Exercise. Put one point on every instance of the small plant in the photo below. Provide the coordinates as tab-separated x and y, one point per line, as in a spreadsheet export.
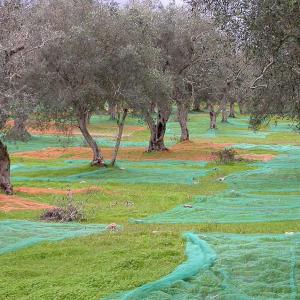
225	156
67	210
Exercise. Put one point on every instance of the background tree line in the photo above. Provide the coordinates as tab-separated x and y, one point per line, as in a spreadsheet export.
62	61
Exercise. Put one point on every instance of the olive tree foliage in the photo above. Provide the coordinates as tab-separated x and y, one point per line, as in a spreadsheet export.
133	79
150	84
217	73
69	71
14	100
185	40
15	44
269	33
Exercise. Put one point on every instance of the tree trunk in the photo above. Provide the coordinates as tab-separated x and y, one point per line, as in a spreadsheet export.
213	119
88	118
3	115
196	104
19	132
182	115
224	112
120	122
152	107
209	106
231	111
241	108
112	110
5	184
97	154
157	130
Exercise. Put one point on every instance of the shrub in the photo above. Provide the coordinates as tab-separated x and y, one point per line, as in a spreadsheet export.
225	156
67	210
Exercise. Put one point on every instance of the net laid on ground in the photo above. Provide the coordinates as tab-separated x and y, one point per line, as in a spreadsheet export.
181	172
231	267
234	128
15	235
271	192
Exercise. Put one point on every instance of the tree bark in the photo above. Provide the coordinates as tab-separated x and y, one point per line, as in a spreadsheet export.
5	184
213	119
89	116
224	112
19	132
231	111
97	154
157	130
182	114
241	108
3	114
196	104
112	110
121	122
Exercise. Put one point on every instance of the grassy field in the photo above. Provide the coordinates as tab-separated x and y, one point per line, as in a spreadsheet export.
96	266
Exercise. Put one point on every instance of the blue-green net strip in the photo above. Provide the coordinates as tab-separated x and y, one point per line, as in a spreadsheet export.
200	256
230	267
15	235
269	192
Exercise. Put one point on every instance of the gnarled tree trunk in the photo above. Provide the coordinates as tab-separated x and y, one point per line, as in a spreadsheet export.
182	114
213	119
157	130
19	132
121	122
5	184
224	106
97	154
231	110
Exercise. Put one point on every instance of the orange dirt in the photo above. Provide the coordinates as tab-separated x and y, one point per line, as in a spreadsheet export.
12	203
183	151
51	129
261	157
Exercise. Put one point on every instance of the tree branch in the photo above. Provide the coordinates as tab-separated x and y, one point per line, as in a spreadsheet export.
253	86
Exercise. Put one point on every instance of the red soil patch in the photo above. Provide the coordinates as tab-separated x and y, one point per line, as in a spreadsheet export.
48	129
261	157
184	151
55	153
51	129
12	203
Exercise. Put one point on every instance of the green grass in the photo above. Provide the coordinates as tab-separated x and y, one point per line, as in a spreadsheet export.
95	266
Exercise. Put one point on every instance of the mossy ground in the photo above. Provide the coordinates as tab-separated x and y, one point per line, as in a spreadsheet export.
95	266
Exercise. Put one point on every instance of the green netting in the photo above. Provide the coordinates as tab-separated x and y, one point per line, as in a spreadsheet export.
230	267
184	172
15	235
199	129
235	130
271	192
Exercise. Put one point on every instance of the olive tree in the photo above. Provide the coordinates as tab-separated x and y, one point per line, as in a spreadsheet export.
268	31
185	40
69	71
14	100
151	93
